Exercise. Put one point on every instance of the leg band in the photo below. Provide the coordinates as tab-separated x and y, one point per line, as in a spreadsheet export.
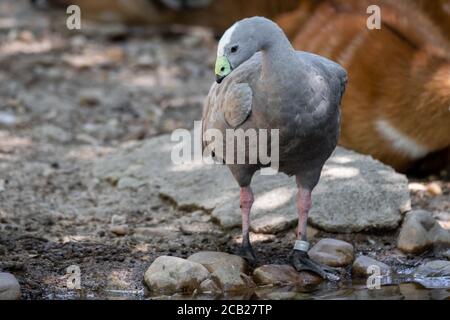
301	245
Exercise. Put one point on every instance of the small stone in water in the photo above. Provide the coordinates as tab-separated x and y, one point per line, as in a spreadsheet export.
283	275
436	268
362	264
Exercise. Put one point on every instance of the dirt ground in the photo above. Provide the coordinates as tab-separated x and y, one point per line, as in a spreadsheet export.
68	98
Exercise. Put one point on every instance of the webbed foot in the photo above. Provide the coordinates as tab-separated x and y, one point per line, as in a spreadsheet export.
302	262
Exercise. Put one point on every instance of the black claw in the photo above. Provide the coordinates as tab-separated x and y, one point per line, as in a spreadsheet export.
302	262
246	252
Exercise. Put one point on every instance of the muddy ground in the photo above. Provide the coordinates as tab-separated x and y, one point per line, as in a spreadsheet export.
68	98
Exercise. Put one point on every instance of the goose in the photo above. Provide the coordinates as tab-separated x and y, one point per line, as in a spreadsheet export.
262	83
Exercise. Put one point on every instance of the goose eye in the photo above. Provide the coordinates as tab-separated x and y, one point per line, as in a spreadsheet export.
234	49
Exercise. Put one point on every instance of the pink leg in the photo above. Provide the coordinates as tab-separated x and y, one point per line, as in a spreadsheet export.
300	258
246	206
303	206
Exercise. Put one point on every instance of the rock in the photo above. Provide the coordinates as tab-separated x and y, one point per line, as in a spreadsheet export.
416	187
231	280
90	97
437	268
273	274
171	274
362	264
7	119
209	286
420	231
434	189
439	236
227	270
9	287
213	261
355	192
120	230
447	254
332	252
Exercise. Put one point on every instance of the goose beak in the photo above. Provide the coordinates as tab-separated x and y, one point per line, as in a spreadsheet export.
223	68
219	79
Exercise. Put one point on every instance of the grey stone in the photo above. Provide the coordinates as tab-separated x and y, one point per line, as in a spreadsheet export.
209	286
227	270
284	275
436	268
9	287
213	261
420	231
362	264
171	274
332	252
355	193
447	254
230	280
120	230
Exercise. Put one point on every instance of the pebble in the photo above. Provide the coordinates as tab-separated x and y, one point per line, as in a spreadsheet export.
171	274
362	264
7	119
332	252
447	254
274	274
434	189
436	268
420	231
120	230
227	270
9	287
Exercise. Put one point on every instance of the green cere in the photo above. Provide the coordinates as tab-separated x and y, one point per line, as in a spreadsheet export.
223	67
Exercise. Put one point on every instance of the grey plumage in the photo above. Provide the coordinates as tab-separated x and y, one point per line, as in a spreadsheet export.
300	96
263	83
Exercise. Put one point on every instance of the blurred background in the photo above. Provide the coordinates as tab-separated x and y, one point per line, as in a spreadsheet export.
141	68
397	103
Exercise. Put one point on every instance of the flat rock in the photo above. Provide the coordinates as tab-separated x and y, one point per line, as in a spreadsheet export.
332	252
363	263
227	270
171	274
433	269
213	260
273	274
9	287
355	192
420	231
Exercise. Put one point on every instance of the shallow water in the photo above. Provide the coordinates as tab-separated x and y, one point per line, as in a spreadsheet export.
400	287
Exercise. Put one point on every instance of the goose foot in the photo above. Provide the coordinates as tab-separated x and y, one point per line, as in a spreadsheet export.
302	262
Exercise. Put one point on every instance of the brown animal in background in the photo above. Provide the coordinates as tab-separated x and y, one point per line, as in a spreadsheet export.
397	104
217	14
